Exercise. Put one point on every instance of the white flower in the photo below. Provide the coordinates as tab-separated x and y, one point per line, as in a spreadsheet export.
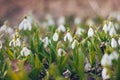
113	43
114	55
67	74
79	31
15	42
55	36
90	22
119	41
6	28
112	31
74	44
116	25
61	20
105	74
25	51
77	21
25	24
50	20
61	28
105	28
90	32
0	44
68	37
61	52
46	41
106	61
87	67
110	25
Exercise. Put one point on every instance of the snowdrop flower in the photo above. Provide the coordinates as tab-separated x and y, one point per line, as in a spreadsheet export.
30	18
106	61
90	32
110	25
105	28
50	20
113	43
114	55
55	36
79	31
67	74
61	28
87	67
0	44
25	24
112	31
46	41
25	51
105	74
61	20
68	36
77	21
116	25
15	42
119	41
61	52
74	44
90	22
6	28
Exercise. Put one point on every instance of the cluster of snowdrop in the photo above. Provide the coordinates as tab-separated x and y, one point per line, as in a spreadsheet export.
110	28
65	39
109	56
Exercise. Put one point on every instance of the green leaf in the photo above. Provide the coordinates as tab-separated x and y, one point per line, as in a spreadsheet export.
10	53
38	63
81	64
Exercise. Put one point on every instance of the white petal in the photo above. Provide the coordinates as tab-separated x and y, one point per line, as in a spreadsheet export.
25	51
21	25
105	28
90	32
11	43
65	38
112	31
55	37
105	74
18	43
113	43
110	25
69	37
61	28
74	44
119	41
61	52
79	31
114	55
106	61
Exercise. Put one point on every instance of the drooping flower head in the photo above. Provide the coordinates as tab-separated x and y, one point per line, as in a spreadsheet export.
25	51
61	28
90	32
16	40
55	36
68	36
25	24
74	43
113	43
5	28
